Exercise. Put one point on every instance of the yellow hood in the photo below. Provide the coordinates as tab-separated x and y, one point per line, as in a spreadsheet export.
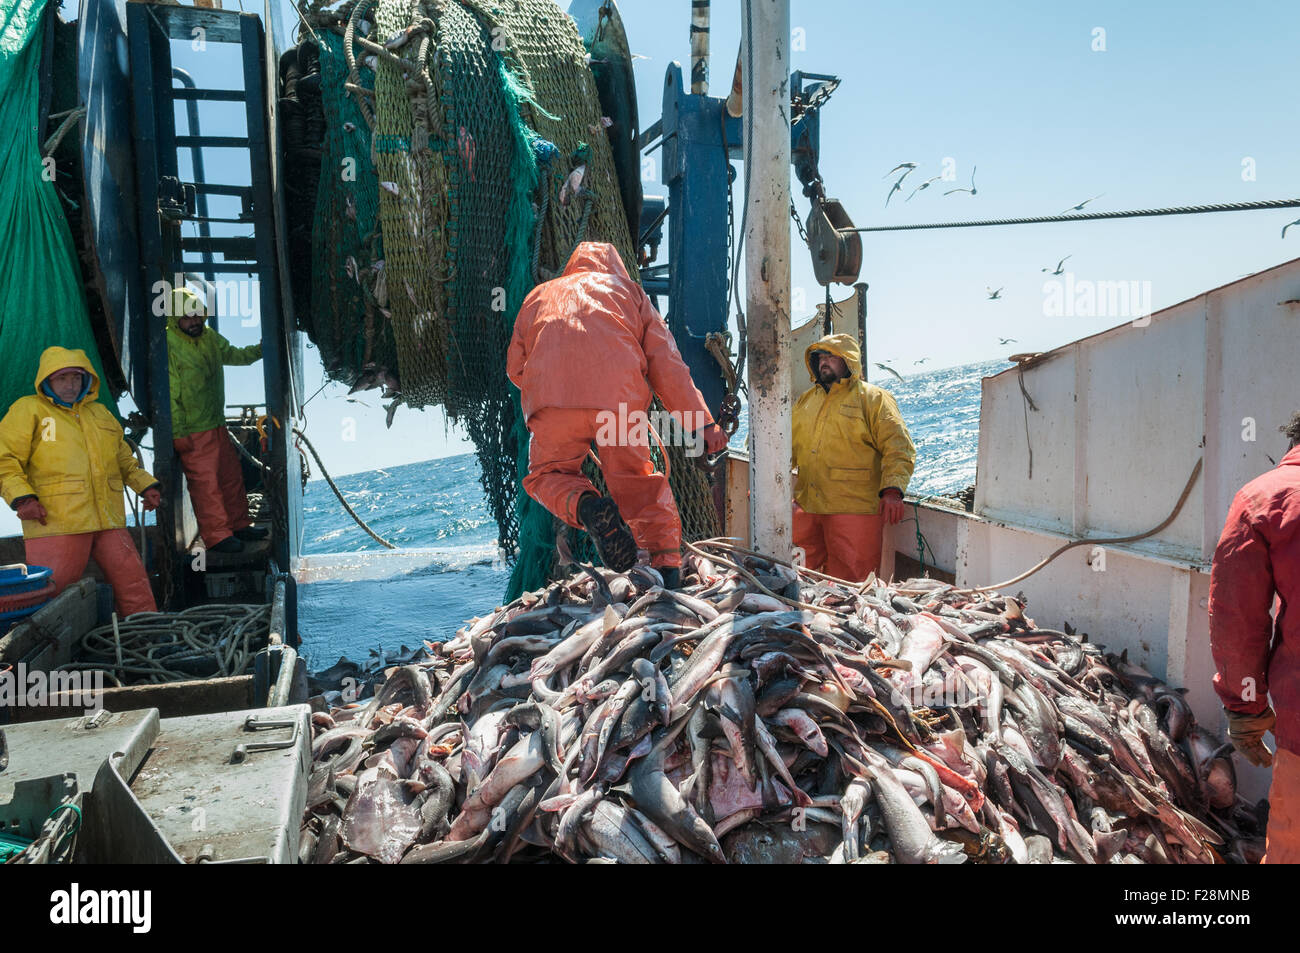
57	358
841	345
183	301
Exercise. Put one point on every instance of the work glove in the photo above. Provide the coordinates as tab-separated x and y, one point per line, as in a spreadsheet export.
891	506
1246	732
715	439
31	509
151	498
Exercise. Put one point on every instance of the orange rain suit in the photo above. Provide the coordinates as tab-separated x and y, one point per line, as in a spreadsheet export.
216	482
588	351
1256	652
74	461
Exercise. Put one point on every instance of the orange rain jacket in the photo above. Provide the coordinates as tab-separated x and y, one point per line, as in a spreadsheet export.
848	443
73	459
591	339
1258	556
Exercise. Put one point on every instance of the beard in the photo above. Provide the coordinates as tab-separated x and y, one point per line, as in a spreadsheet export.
194	333
827	375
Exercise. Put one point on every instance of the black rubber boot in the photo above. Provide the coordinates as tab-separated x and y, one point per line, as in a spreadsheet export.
672	576
611	536
228	545
250	534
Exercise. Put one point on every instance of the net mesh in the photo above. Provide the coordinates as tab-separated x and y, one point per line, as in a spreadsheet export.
464	120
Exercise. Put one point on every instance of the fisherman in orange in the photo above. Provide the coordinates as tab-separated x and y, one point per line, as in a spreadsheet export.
63	466
853	457
1257	654
589	348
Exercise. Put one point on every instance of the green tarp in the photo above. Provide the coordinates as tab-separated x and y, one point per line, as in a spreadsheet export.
42	302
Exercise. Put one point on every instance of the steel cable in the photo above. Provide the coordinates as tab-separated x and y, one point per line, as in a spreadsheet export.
1095	216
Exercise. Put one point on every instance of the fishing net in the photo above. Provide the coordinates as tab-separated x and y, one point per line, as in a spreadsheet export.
42	303
464	120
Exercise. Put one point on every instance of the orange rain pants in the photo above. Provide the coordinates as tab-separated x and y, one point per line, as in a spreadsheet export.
112	551
845	545
561	440
216	483
1282	841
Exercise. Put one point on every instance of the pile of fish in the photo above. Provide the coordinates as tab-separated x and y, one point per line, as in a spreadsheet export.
766	714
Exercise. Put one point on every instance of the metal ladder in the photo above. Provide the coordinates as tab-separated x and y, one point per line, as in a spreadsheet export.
165	202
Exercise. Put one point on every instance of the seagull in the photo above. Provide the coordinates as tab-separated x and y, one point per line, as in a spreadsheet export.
1079	207
909	166
886	367
924	185
1059	269
993	295
971	190
921	361
898	187
1285	227
1005	341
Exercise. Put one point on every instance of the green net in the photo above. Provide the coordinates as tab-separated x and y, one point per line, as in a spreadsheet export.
350	325
42	303
476	114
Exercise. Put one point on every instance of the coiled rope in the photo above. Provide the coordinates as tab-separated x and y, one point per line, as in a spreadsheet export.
156	647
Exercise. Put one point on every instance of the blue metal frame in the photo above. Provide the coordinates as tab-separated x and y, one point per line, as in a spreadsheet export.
695	169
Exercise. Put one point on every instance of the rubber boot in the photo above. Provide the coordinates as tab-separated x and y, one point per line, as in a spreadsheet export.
611	536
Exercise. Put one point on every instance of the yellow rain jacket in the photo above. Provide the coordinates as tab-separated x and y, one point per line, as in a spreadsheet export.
194	367
73	459
849	443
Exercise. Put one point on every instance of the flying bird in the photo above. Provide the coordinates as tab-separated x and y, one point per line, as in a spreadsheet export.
993	295
909	166
971	190
1006	341
898	187
1059	269
921	361
1079	207
1285	227
924	185
886	367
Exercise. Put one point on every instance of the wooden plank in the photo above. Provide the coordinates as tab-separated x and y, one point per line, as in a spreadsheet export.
173	699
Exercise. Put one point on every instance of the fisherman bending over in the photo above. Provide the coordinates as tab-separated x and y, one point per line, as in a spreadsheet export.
853	457
586	346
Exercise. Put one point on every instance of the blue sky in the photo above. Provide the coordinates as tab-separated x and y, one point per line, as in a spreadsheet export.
1165	115
1182	95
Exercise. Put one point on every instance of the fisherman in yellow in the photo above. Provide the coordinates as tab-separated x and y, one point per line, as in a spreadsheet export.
63	465
853	457
195	358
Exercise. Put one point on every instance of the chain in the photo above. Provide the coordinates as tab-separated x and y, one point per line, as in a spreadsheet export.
794	214
815	101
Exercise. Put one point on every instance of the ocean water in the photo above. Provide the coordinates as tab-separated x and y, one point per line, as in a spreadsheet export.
436	510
